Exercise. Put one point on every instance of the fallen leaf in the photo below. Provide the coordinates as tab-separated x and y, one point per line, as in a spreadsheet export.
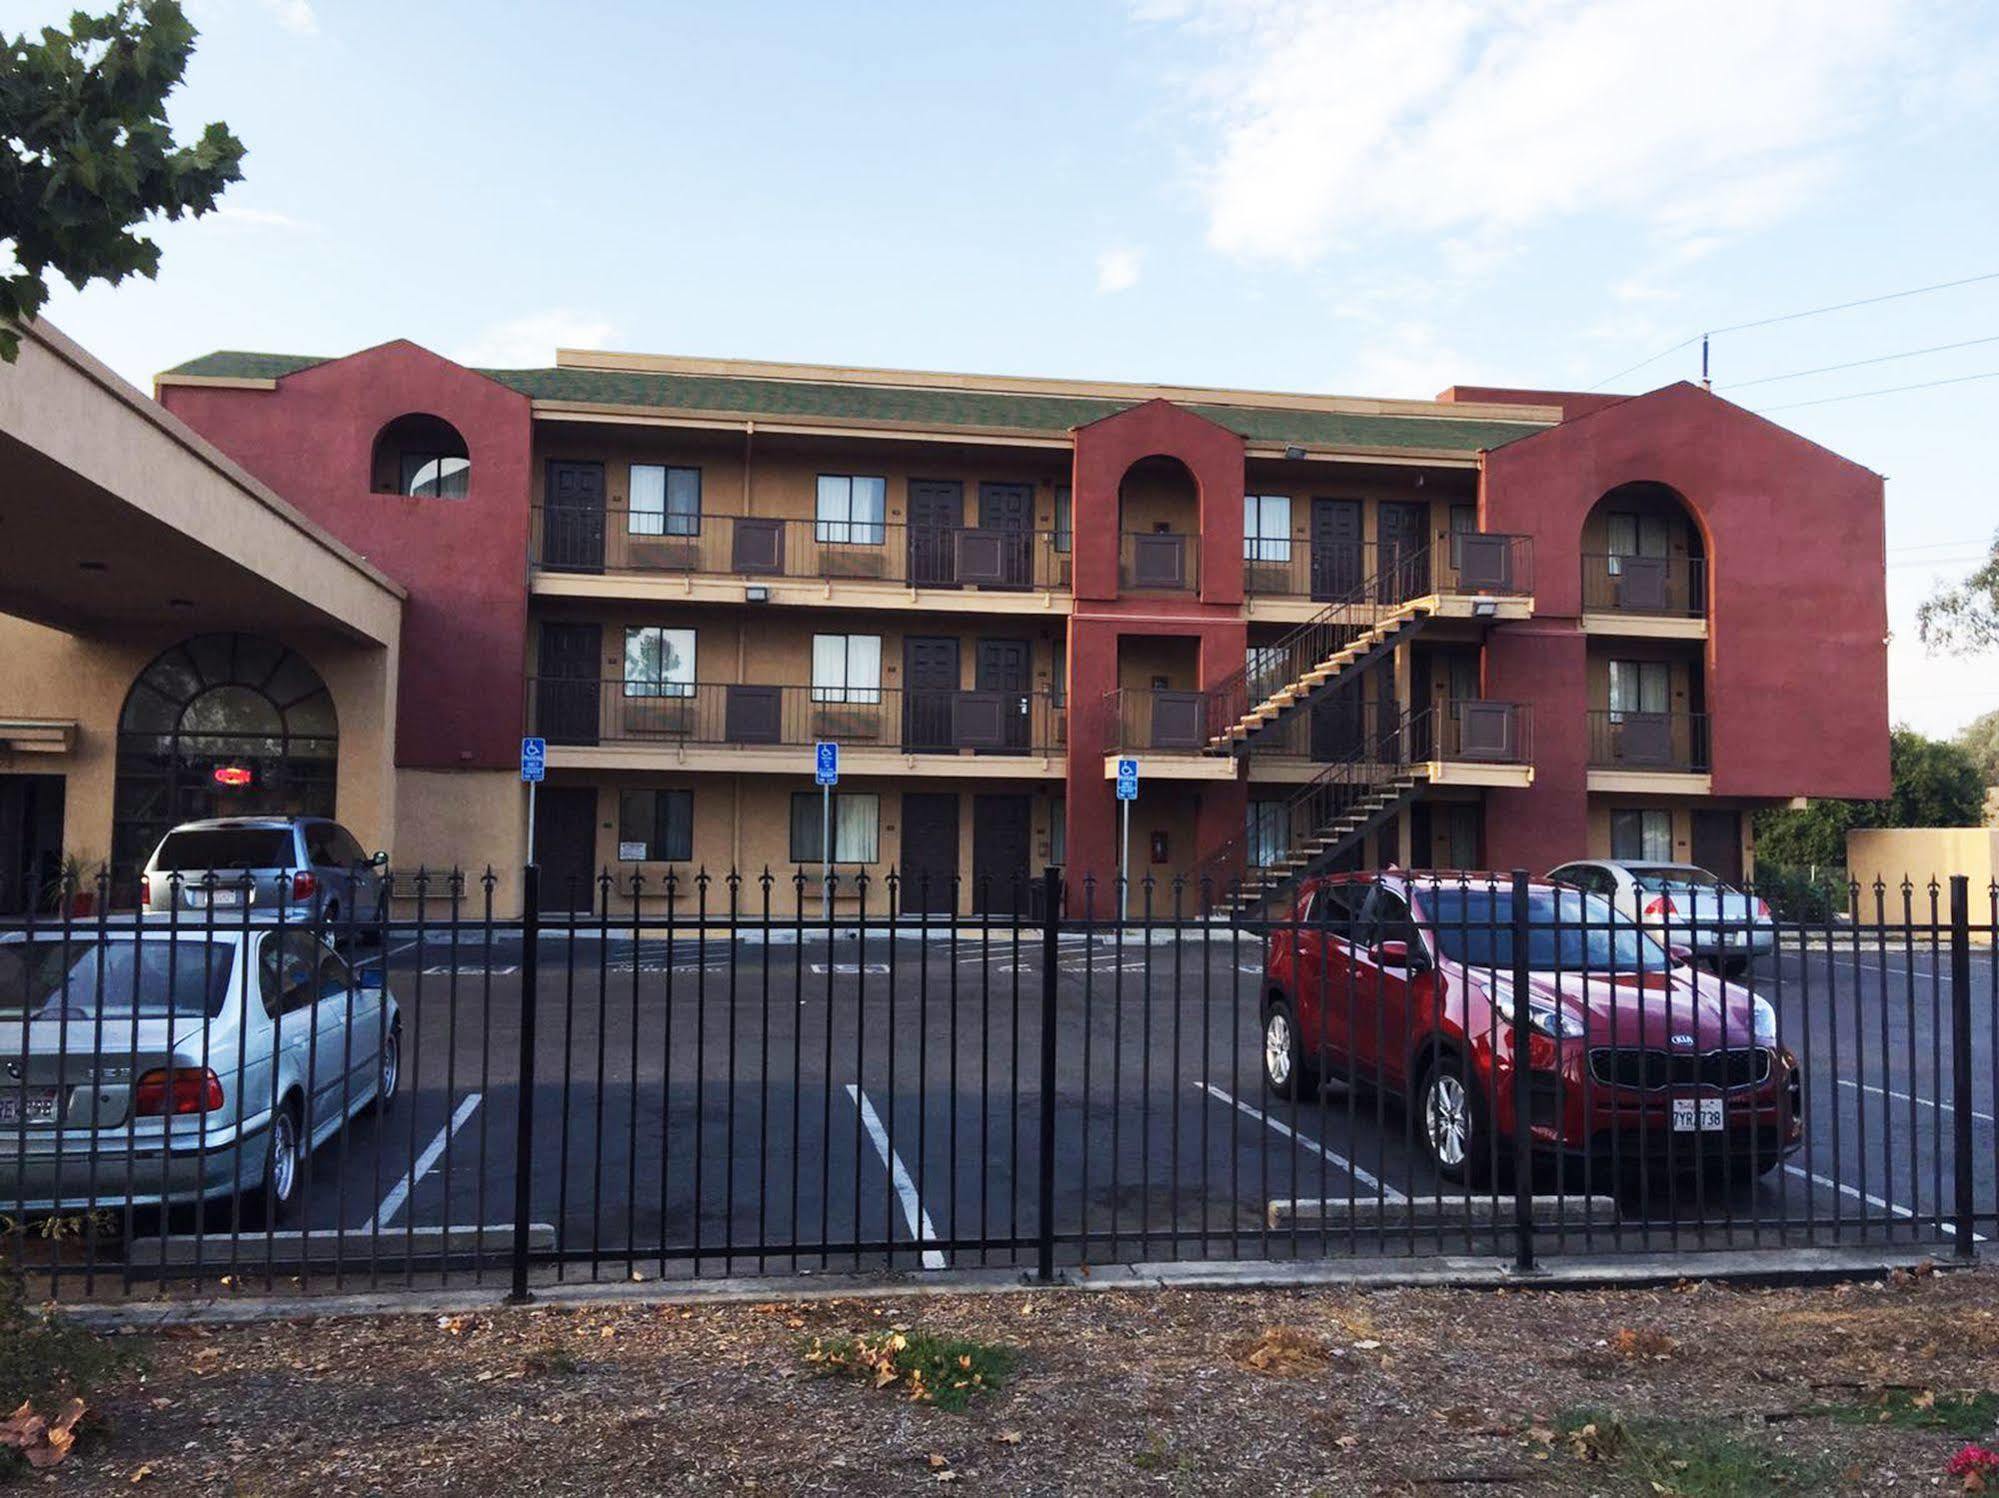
938	1459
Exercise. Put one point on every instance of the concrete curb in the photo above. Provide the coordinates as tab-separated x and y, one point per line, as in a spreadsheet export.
1572	1272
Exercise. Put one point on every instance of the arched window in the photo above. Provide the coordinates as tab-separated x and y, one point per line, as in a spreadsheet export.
1643	552
421	456
220	725
1159	518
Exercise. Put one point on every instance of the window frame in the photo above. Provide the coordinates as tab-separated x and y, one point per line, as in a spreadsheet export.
660	842
845	690
410	466
665	686
1064	540
1644	670
1260	543
806	813
1643	814
673	523
849	529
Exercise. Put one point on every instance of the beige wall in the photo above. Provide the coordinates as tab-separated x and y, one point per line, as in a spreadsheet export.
1920	854
462	819
1142	657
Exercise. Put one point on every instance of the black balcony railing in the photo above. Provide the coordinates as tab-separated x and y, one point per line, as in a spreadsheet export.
1140	718
1670	587
1471	730
1621	740
1334	571
1159	562
584	539
757	715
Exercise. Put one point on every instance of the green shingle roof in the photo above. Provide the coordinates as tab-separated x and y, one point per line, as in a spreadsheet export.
929	407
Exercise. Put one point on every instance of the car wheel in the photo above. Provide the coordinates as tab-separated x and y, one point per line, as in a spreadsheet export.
389	1073
1286	1072
1450	1120
284	1164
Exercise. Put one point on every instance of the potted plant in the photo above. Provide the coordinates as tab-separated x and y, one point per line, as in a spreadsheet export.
73	891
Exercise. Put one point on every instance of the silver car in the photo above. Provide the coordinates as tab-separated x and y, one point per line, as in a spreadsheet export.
311	868
144	1063
1681	904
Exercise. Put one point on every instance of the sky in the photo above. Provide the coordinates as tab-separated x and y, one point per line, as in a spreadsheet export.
1362	197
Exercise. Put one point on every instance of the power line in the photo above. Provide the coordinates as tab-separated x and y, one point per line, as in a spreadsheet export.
1826	400
1799	374
1764	322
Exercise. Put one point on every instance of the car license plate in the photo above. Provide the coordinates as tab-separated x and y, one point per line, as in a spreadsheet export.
224	896
37	1106
1708	1114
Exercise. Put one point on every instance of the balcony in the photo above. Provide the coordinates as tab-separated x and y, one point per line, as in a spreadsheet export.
1473	564
753	726
1631	751
1645	595
1168	727
1158	562
1472	741
569	544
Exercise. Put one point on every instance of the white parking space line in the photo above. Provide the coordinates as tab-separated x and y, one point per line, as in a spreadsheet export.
1903	1097
1372	1182
1869	1198
913	1212
400	1192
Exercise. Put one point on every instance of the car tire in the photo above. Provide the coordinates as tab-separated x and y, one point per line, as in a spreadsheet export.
284	1165
1287	1072
1451	1123
389	1072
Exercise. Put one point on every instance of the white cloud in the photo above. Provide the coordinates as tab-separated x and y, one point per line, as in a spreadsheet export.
296	16
1408	362
530	341
1117	269
1338	121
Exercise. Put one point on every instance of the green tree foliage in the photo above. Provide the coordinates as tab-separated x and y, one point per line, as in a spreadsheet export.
1980	739
1935	784
89	156
1964	618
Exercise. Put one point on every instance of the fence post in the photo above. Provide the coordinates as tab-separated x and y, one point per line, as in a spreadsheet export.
1961	1101
1523	1140
524	1108
1051	924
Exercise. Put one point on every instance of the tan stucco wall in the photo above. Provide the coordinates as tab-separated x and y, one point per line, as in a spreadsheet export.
465	820
1919	855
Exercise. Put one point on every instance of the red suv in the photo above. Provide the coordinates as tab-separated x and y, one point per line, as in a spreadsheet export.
1404	981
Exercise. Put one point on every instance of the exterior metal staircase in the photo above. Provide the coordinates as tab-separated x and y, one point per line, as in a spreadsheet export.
1343	639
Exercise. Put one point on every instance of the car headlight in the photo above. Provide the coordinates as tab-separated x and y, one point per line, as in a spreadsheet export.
1553	1021
1765	1021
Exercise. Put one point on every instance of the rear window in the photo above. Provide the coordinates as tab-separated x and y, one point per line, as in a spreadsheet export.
79	979
199	849
1655	880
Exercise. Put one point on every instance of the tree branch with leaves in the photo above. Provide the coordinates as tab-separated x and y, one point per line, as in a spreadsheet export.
1964	619
89	156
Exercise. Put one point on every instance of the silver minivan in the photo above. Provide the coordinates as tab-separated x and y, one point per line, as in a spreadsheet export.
145	1063
310	867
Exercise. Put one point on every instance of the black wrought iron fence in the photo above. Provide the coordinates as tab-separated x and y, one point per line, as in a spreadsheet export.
710	1077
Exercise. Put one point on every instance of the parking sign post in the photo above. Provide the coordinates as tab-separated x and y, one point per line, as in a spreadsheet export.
534	765
826	770
1127	792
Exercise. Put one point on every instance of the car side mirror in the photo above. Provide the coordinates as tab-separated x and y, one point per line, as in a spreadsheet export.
1681	956
380	860
371	979
1395	954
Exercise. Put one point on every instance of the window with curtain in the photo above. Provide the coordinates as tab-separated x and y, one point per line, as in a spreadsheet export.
1463	522
1640	687
1266	527
664	501
1633	535
1064	520
1058	831
659	662
1641	836
846	668
1268	828
851	509
856	828
655	826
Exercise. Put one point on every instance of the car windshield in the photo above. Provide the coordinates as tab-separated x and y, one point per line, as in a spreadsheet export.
1567	931
83	978
1657	880
197	849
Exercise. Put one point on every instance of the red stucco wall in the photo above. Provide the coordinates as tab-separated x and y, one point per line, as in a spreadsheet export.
1213	454
1797	663
464	561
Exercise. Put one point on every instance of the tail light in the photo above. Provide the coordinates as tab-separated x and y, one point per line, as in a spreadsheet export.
145	889
304	885
1762	910
181	1089
1659	906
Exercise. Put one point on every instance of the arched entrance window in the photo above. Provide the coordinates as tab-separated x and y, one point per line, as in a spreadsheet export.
1643	553
220	725
1159	518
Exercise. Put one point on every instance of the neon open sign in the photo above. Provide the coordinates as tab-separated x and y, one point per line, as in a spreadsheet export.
233	775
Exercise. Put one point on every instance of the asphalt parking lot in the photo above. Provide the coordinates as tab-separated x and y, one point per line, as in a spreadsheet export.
714	1107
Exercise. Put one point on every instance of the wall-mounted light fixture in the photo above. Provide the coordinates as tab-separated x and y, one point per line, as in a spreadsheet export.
1294	453
1485	608
756	594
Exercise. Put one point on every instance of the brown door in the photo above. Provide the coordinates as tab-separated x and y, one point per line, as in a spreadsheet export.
565	845
1336	548
1718	844
936	514
1405	563
929	853
1001	827
1007	510
31	808
929	691
1338	721
1005	671
567	689
572	517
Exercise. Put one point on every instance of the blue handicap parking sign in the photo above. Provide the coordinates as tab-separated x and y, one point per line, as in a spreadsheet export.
1127	780
534	759
826	763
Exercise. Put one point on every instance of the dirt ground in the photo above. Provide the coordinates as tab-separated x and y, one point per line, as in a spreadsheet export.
1862	1388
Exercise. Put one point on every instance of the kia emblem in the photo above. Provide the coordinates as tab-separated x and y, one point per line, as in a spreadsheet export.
1681	1038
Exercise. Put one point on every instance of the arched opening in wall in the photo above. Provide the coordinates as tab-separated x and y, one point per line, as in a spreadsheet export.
1159	525
220	725
1643	553
420	456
